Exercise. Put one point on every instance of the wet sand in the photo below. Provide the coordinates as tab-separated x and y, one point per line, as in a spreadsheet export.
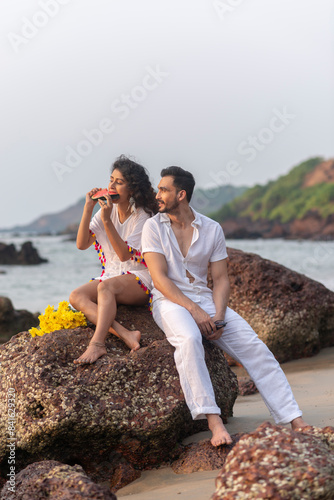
312	383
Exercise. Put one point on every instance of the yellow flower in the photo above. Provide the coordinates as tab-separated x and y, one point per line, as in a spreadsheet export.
63	318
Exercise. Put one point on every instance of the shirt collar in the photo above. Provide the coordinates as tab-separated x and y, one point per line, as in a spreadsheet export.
164	218
198	219
196	222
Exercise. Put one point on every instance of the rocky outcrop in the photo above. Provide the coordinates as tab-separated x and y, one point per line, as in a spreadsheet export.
51	479
125	408
292	314
310	227
275	462
27	255
13	321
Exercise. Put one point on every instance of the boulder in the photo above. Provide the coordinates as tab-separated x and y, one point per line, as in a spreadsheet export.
27	255
203	456
125	408
13	321
292	314
51	479
275	462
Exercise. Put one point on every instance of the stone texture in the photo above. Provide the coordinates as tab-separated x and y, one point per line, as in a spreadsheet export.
13	321
292	314
278	463
246	386
51	479
122	475
202	456
124	408
27	255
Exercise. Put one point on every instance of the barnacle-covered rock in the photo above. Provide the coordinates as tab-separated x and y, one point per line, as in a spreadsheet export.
292	314
51	479
125	407
278	463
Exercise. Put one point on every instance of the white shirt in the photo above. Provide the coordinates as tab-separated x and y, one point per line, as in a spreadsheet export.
130	231
207	245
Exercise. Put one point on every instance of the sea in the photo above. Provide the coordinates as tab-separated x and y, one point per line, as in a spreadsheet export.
35	287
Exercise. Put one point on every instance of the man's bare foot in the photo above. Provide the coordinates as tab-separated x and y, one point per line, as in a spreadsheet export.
219	433
130	337
93	352
298	423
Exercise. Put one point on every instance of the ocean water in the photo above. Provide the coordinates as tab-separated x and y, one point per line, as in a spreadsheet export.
35	287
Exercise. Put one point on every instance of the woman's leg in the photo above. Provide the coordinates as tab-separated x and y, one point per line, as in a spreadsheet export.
84	299
118	290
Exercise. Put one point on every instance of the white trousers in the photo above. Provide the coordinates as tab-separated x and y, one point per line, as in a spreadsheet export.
239	341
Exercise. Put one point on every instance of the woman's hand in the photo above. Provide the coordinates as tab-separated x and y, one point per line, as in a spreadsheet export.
106	209
89	201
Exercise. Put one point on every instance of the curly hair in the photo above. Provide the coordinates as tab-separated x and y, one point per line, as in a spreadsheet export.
138	182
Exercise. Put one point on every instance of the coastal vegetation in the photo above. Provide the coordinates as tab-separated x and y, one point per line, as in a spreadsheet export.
308	187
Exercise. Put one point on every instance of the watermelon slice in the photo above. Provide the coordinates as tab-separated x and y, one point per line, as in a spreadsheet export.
100	195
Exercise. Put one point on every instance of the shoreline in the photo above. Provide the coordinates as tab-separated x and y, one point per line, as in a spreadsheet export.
311	382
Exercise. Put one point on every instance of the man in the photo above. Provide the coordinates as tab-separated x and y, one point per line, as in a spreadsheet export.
178	243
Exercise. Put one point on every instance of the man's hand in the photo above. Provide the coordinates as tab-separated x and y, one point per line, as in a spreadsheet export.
215	334
203	320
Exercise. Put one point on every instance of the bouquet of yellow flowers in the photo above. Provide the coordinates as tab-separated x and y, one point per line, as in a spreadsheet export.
63	317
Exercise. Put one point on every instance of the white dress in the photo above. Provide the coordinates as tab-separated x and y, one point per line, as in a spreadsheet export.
130	231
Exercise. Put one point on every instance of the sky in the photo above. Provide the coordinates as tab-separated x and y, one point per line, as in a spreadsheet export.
236	91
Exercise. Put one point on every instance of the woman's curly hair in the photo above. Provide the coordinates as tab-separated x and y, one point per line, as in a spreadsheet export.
138	182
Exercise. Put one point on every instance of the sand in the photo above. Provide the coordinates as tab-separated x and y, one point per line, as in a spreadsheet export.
311	380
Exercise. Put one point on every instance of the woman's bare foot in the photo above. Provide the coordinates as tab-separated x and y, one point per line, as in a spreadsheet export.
93	352
130	337
219	433
298	423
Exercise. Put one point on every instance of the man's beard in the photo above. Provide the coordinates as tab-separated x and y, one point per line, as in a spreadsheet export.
163	209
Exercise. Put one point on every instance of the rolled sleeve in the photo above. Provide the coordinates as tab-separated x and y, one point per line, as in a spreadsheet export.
96	223
150	240
134	239
219	251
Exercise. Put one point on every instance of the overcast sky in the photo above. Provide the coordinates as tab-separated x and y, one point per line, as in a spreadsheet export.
235	91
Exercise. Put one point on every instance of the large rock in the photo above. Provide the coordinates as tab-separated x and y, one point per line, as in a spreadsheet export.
13	321
277	463
27	255
125	407
292	314
50	479
202	456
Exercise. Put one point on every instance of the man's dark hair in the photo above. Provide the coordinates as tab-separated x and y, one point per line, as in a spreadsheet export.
183	180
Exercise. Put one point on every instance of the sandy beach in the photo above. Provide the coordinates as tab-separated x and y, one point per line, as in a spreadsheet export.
311	380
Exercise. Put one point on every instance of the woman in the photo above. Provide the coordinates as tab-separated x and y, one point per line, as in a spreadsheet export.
116	231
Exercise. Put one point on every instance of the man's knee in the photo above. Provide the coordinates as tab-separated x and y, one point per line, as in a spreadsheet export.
191	342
